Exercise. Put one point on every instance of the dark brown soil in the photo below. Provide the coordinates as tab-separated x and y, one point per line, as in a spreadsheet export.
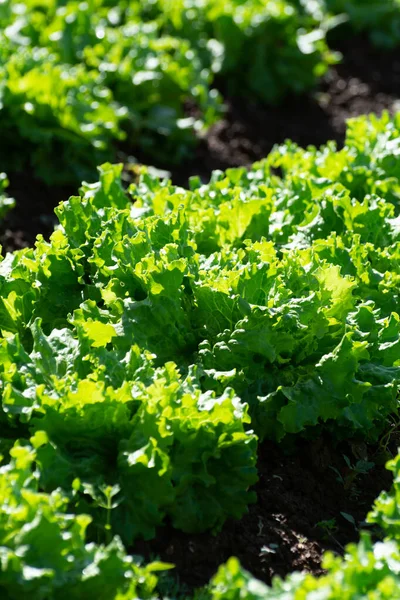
304	507
284	531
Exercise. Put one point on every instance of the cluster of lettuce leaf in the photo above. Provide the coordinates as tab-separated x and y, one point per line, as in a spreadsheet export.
93	356
263	49
291	297
44	552
77	77
161	332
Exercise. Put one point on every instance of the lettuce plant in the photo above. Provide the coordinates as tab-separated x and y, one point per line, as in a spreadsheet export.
77	78
44	553
262	49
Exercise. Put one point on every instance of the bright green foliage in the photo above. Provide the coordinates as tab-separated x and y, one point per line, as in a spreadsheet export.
43	550
294	300
111	419
75	77
144	346
80	315
368	164
265	49
386	510
284	289
57	111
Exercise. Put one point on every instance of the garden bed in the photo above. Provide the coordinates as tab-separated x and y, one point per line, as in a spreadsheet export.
309	500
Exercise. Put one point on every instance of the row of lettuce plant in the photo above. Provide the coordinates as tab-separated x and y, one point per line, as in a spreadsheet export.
161	332
45	554
269	49
78	79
